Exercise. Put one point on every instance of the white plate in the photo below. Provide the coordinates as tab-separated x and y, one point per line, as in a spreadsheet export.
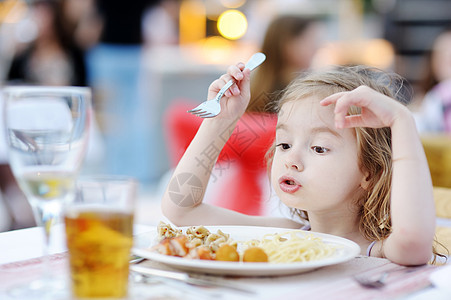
345	251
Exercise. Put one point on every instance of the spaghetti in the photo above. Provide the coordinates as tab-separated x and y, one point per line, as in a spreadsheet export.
290	247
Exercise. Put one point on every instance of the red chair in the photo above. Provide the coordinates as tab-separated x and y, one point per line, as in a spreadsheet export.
244	151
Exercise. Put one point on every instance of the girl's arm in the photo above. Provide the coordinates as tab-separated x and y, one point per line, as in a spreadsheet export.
182	201
412	204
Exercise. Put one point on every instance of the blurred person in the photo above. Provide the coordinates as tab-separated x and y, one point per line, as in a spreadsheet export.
434	115
290	44
83	21
52	58
115	71
160	24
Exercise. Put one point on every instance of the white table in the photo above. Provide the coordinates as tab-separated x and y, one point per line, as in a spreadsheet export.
23	244
334	282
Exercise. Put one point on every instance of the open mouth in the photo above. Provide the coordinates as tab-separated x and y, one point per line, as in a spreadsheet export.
288	180
288	184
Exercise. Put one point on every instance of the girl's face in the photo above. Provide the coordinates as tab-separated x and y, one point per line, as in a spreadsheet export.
315	166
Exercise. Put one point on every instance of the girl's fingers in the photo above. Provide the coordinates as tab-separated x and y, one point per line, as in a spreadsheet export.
377	110
353	121
232	91
331	99
225	78
244	83
340	111
221	82
236	72
342	103
216	85
358	97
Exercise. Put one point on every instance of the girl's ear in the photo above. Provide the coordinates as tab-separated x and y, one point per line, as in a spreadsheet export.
365	181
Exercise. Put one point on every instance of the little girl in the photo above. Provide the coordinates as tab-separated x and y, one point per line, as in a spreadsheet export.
346	158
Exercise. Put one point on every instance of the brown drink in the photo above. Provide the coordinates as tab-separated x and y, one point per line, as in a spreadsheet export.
99	243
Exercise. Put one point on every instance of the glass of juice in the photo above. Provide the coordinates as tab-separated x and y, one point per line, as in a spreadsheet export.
99	236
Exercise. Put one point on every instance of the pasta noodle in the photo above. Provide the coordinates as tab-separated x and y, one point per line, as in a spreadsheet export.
289	247
196	236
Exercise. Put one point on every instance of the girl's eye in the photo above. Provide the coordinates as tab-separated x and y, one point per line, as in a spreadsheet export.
283	146
319	149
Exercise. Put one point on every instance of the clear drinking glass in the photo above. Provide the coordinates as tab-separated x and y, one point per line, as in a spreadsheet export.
99	232
47	134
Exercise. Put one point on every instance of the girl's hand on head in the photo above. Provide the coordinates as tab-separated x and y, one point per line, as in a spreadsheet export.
236	98
377	110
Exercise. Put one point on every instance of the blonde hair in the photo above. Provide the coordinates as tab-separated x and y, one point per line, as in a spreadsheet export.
374	144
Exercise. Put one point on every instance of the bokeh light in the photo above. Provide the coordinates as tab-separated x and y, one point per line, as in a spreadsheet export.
216	49
379	53
232	24
192	26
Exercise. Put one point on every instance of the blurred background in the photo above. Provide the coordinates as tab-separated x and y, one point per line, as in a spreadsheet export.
142	58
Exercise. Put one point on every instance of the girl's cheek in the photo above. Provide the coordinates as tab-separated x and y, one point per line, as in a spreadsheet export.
273	175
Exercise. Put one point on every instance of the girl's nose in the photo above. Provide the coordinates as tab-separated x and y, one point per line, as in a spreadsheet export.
295	163
296	166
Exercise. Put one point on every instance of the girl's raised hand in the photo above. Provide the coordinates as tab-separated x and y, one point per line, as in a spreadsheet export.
377	110
236	98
